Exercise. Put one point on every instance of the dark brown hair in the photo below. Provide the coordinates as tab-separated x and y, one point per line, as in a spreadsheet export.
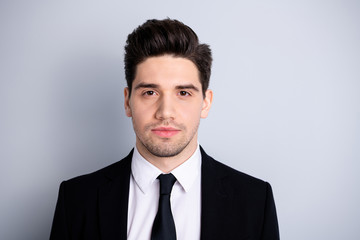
168	36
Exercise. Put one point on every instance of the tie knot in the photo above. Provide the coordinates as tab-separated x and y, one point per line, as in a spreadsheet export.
166	183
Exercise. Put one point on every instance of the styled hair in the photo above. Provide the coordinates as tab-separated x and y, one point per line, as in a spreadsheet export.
161	37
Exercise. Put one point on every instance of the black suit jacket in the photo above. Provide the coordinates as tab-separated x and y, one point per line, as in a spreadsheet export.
234	205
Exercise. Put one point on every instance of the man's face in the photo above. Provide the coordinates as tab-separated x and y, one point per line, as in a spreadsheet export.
166	105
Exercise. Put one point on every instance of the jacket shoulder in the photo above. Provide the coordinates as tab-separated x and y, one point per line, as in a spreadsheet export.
93	180
233	176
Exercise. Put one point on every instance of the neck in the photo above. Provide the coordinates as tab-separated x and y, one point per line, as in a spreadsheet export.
167	164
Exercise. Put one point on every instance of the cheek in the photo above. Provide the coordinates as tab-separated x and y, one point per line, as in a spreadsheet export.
142	114
191	113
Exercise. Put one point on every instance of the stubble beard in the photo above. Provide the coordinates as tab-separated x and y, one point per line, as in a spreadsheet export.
166	148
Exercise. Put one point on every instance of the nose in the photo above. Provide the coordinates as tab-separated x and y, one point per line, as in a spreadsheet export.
166	108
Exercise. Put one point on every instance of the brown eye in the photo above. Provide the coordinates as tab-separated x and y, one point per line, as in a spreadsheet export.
149	93
184	93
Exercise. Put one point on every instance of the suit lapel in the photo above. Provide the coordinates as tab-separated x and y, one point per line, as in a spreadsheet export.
218	203
211	195
113	201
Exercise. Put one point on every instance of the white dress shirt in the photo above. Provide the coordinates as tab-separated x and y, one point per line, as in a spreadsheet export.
144	198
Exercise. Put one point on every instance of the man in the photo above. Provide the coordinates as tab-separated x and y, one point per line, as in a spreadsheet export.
167	187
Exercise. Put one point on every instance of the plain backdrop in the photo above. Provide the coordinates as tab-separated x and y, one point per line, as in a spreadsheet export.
286	78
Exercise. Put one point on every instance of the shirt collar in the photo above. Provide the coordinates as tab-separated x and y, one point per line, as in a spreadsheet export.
145	173
187	172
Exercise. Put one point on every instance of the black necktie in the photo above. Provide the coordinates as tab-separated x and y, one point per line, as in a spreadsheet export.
164	226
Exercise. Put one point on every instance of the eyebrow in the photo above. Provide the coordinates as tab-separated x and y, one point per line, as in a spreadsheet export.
188	86
146	85
152	85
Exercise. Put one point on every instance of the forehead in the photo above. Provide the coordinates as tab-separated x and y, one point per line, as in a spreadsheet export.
167	70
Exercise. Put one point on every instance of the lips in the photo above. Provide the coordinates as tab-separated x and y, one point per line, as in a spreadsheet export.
165	132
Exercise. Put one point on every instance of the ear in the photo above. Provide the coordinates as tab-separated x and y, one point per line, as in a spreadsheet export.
207	103
127	102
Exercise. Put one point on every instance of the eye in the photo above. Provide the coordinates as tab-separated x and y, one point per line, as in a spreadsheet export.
149	93
184	93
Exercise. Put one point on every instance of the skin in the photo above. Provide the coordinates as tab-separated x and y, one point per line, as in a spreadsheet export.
166	105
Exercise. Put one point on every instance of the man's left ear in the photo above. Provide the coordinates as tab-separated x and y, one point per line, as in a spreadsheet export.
207	103
127	102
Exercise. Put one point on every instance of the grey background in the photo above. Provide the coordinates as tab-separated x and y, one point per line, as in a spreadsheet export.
286	107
